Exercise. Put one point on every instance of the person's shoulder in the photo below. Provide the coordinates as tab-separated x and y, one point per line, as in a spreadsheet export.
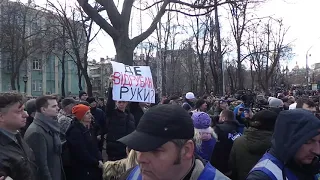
126	174
258	175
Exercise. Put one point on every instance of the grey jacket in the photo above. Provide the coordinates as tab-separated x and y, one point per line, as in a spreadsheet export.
41	139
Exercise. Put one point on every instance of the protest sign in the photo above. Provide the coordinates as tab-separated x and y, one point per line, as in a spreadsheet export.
132	83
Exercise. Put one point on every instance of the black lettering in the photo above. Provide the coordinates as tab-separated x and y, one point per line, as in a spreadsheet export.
133	92
139	93
128	70
146	95
123	90
137	71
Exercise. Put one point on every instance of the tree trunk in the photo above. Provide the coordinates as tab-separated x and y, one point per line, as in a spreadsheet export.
124	48
219	51
202	74
79	78
239	68
88	82
63	76
18	82
13	82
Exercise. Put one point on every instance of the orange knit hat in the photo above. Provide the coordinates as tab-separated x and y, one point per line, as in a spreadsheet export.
80	110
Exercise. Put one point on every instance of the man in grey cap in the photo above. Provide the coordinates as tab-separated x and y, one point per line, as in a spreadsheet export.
65	116
30	107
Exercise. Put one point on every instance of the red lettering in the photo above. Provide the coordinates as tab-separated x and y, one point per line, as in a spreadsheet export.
132	78
142	82
138	80
127	81
116	78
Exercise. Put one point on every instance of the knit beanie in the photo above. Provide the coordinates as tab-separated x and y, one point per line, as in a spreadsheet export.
264	120
80	110
201	120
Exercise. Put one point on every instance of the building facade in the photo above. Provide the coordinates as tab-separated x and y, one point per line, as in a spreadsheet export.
28	61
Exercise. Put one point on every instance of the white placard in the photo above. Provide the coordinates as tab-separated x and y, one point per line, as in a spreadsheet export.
132	83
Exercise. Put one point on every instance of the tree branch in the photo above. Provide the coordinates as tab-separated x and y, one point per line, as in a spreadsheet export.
153	25
90	11
126	13
112	12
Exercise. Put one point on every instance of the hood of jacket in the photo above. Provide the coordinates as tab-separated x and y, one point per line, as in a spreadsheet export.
258	141
293	128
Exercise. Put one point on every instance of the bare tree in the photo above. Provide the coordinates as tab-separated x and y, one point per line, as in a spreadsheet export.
80	33
118	25
266	46
21	38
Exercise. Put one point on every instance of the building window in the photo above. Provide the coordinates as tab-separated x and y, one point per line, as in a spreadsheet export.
36	85
36	64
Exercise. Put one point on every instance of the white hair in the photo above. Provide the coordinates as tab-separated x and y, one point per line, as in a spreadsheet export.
198	135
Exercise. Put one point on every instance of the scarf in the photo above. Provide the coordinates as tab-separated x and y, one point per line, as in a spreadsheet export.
54	128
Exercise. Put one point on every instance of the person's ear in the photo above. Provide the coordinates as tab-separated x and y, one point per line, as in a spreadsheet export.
188	150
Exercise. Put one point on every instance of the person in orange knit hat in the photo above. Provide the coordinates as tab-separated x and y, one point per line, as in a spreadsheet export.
85	157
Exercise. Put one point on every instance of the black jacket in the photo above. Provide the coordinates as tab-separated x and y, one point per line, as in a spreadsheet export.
136	111
221	151
84	153
120	124
16	159
293	129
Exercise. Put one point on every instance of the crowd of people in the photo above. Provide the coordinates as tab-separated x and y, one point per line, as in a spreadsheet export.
179	138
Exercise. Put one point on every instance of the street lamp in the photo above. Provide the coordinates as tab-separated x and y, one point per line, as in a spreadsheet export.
25	80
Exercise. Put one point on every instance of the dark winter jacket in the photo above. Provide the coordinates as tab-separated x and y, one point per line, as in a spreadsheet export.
16	159
136	111
227	133
100	119
293	129
247	150
120	124
84	153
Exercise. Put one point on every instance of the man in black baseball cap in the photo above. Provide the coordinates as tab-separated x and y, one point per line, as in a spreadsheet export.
163	141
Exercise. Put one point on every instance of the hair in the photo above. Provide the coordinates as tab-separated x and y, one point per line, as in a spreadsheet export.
199	103
7	99
306	101
229	115
112	170
42	101
198	138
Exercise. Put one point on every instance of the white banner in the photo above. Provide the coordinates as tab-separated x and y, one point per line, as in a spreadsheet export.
132	83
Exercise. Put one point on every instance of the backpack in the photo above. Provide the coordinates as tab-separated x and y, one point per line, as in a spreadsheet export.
65	155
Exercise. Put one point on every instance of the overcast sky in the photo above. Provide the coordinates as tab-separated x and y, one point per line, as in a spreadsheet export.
300	15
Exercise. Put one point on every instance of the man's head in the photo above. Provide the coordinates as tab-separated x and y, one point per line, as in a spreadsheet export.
307	104
275	103
67	105
226	115
101	101
47	105
92	101
162	152
30	107
223	104
190	96
296	137
12	114
121	105
83	96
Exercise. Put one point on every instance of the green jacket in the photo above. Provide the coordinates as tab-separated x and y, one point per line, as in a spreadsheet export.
247	150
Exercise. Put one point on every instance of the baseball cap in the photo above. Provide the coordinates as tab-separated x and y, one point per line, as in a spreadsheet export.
159	125
190	95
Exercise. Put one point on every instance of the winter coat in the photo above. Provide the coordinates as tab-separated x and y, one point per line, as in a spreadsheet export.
293	128
120	124
44	143
16	159
136	111
247	150
84	153
227	133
